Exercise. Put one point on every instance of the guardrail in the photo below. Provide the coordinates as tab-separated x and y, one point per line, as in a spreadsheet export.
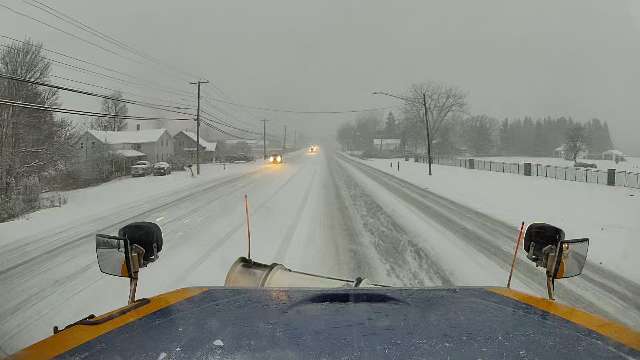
611	177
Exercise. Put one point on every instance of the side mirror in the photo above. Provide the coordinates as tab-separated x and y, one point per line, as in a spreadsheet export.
146	235
539	240
136	245
569	259
546	247
114	256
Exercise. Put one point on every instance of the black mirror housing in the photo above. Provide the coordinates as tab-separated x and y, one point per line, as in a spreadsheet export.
145	234
538	237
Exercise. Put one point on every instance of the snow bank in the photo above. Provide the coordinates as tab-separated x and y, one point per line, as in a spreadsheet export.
609	216
84	204
631	164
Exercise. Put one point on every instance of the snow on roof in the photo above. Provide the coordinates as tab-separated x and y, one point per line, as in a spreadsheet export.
210	146
614	152
128	137
129	153
386	141
237	141
560	148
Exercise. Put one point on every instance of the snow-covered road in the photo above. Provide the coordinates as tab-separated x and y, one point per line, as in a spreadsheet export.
323	213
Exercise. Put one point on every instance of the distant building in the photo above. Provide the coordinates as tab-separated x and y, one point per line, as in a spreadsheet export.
559	151
614	155
251	147
185	143
155	145
387	144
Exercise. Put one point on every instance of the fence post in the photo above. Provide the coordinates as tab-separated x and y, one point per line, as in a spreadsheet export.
611	177
527	169
471	164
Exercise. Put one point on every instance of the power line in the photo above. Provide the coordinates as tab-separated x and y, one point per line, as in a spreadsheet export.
82	61
82	112
78	91
206	123
84	70
101	35
66	32
298	111
222	122
183	107
246	111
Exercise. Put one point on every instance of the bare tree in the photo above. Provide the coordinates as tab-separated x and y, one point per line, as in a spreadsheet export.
443	101
33	142
113	107
576	142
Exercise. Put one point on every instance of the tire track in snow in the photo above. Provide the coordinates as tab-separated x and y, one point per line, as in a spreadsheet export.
227	236
37	268
281	252
458	219
74	236
402	257
17	278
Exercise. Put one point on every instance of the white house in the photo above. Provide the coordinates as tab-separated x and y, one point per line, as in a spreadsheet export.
614	155
156	144
387	144
184	144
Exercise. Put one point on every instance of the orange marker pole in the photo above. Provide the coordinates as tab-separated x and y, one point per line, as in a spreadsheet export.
246	209
515	254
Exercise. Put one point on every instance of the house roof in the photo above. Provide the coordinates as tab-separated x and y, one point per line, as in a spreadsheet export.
128	137
209	146
386	141
129	153
237	141
613	152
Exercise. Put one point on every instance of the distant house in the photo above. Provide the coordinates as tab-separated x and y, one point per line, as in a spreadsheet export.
185	143
559	151
251	147
614	155
154	145
387	144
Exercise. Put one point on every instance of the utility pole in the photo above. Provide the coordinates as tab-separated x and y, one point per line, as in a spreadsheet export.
198	126
295	138
264	137
426	123
284	141
426	116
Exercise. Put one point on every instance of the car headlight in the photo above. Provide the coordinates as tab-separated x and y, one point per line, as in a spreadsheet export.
271	158
279	158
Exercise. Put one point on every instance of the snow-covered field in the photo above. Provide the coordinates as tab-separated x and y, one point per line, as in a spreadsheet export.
324	213
609	216
631	164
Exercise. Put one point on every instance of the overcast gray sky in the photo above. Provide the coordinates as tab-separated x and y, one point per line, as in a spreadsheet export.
575	58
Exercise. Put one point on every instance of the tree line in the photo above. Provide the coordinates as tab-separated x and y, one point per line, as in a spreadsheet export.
454	131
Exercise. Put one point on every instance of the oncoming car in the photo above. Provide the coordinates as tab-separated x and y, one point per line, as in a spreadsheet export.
276	158
313	149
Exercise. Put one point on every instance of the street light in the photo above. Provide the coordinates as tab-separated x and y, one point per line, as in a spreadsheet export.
426	117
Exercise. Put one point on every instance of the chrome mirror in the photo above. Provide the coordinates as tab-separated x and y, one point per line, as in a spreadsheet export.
569	259
114	256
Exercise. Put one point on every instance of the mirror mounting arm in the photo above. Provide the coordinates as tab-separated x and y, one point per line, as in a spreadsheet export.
137	254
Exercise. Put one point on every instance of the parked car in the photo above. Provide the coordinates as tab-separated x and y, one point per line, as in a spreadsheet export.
161	168
141	168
